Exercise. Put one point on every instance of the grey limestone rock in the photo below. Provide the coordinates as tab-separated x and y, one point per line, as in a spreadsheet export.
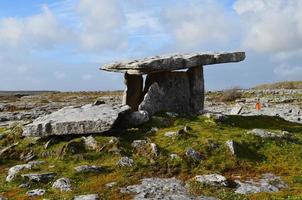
88	169
42	177
268	183
157	188
125	162
87	119
15	170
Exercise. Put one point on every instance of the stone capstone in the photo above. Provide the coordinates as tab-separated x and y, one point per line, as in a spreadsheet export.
87	119
173	62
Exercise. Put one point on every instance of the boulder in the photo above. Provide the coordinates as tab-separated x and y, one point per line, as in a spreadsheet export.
267	134
15	170
161	188
268	183
87	119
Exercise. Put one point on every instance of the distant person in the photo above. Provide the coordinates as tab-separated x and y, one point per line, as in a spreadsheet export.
258	105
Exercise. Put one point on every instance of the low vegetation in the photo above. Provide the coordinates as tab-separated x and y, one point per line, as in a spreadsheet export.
281	157
281	85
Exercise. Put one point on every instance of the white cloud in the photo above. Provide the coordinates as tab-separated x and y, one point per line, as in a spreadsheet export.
101	24
271	25
198	23
41	30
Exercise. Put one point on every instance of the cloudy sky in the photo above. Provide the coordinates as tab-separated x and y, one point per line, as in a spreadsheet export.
59	45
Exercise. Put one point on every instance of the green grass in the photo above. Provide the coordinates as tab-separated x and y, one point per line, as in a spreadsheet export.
281	157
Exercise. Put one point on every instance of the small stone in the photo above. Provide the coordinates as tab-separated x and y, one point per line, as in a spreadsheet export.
191	153
174	156
24	185
154	149
187	129
88	169
62	184
172	114
233	146
170	134
153	130
87	197
138	117
125	162
43	177
236	109
36	192
27	156
91	143
212	180
99	102
110	185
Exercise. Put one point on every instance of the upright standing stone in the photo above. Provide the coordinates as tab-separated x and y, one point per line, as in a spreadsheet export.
134	91
196	88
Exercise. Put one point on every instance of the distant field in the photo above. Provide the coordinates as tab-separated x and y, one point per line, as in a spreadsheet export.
281	85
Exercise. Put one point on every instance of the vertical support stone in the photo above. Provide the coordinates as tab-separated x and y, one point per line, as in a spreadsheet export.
196	79
134	91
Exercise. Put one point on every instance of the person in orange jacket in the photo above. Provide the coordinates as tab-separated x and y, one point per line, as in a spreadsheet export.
258	105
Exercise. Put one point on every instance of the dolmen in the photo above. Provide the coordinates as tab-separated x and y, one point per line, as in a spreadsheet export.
166	87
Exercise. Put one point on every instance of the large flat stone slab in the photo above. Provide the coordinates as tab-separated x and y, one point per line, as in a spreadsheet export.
87	119
173	62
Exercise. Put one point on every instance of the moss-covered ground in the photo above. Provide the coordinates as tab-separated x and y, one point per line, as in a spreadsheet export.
281	157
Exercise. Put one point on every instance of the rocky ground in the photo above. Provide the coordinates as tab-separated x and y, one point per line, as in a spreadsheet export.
233	152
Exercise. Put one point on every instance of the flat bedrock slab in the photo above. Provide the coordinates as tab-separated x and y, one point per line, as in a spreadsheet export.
87	119
173	62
